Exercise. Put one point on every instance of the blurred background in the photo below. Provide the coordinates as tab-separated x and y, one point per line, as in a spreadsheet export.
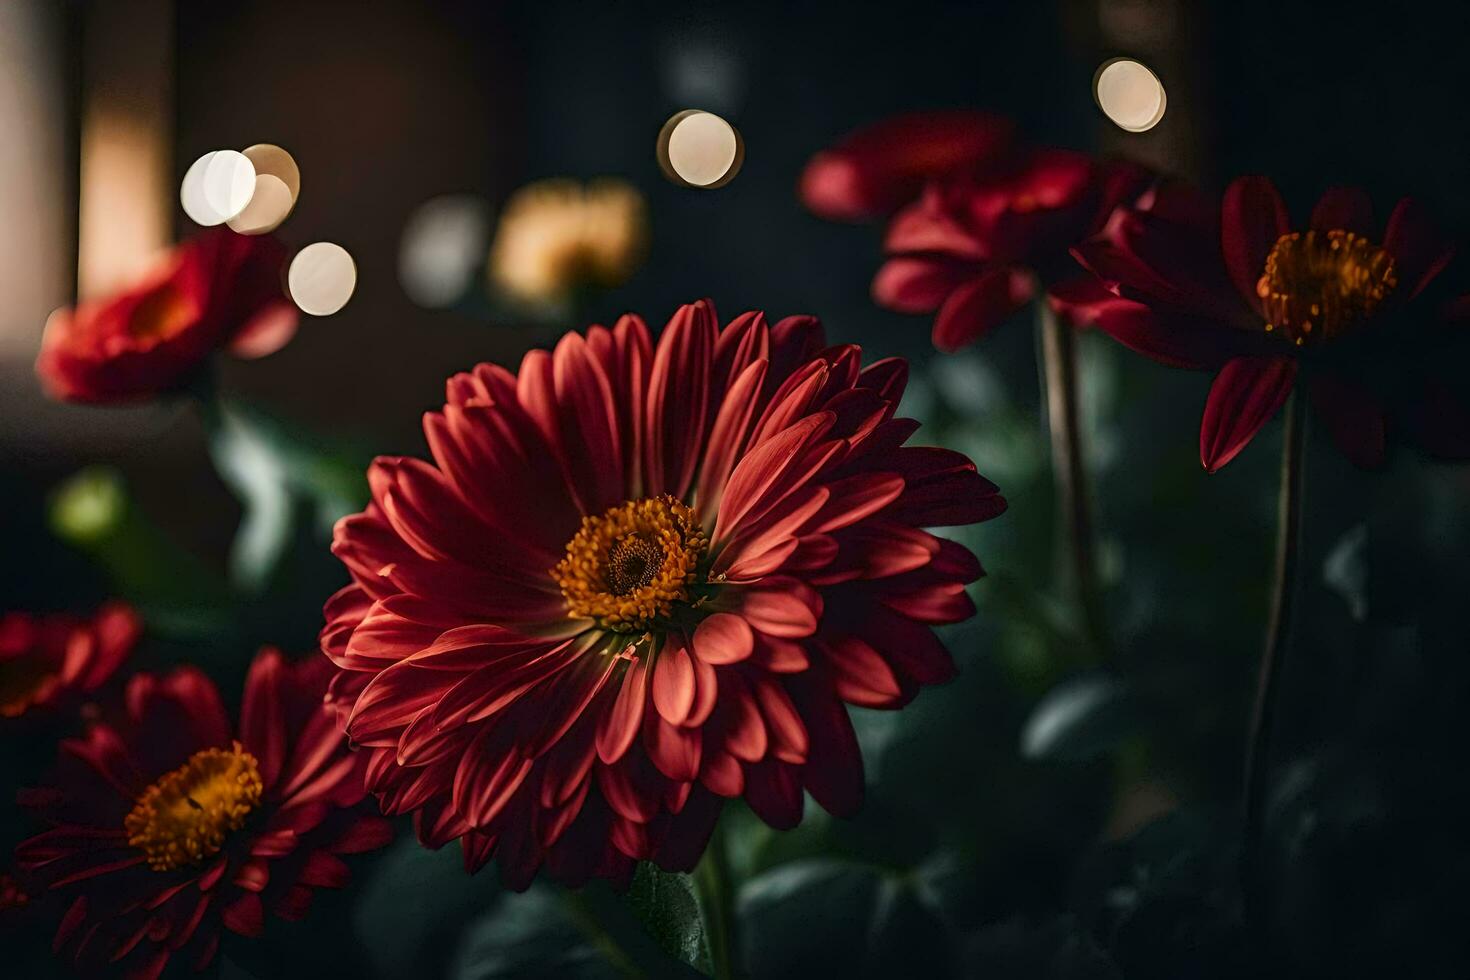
1044	815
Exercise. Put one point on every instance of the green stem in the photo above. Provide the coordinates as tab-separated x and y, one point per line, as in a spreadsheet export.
715	887
1273	654
1069	471
580	911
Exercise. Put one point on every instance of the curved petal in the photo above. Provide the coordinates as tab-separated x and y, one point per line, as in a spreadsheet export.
1243	397
1252	218
975	308
1420	251
914	284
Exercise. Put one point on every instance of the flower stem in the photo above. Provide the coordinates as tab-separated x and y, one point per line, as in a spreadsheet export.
1273	654
580	911
1069	471
715	888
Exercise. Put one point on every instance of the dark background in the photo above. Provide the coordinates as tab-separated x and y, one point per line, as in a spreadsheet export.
1008	866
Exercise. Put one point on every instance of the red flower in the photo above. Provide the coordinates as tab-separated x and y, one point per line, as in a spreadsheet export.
217	290
975	247
883	166
1263	305
46	661
167	824
636	582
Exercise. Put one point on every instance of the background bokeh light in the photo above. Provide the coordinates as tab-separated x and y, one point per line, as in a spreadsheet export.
1130	94
700	149
322	278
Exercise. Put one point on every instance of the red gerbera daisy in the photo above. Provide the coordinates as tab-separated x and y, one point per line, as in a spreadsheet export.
1265	303
976	248
169	822
49	660
217	290
635	582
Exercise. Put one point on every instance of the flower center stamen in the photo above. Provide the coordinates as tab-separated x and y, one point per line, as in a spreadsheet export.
186	815
1319	283
629	566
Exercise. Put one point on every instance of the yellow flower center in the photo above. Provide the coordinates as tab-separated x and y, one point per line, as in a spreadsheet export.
185	816
628	567
1319	283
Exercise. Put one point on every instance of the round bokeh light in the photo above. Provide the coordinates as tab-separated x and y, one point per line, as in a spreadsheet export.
700	149
1129	94
321	278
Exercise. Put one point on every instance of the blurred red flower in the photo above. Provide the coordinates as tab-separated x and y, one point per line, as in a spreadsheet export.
974	248
878	168
47	661
638	581
1246	294
983	219
217	290
167	823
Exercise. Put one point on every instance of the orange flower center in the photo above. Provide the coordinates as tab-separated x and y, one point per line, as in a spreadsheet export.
162	313
186	815
1319	283
629	566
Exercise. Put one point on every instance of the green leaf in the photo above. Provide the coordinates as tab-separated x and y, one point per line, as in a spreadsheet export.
829	918
548	931
1056	950
277	474
177	593
410	909
1078	720
666	904
529	936
1345	570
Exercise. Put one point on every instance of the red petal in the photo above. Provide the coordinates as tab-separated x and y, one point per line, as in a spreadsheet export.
783	607
773	790
910	284
618	727
975	308
723	638
877	168
266	333
263	713
788	734
673	683
674	750
834	770
1419	250
1176	339
1252	218
323	870
1246	393
244	915
722	774
678	399
861	675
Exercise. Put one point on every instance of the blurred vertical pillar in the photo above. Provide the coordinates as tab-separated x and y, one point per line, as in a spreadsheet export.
125	188
35	242
1165	35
